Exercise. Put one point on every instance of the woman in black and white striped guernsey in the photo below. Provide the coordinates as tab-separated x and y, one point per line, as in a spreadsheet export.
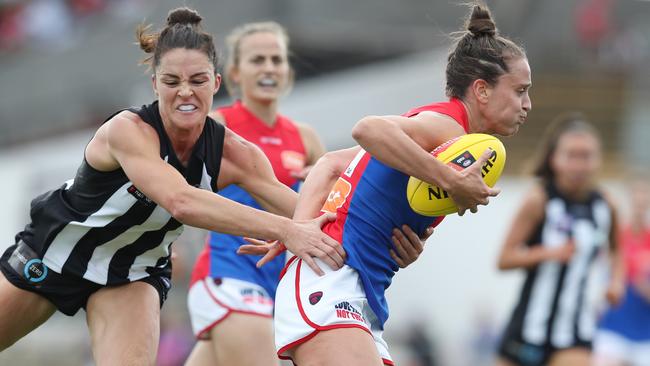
563	223
102	240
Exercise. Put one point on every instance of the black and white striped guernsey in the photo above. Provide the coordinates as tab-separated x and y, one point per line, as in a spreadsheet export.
552	309
99	226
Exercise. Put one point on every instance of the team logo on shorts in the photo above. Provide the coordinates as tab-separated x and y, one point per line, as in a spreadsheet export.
167	282
345	310
35	270
26	262
255	296
527	353
315	297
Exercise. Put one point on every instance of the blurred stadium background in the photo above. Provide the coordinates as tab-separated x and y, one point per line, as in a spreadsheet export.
65	65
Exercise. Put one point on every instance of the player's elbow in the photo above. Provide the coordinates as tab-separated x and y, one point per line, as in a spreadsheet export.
332	162
363	130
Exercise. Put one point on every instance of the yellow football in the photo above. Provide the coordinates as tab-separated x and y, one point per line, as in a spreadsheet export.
458	153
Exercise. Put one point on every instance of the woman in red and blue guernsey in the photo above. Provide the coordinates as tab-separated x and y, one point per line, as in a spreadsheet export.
338	318
231	300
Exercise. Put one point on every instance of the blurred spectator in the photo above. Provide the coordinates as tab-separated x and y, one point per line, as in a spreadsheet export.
615	43
624	334
593	22
48	23
12	31
82	8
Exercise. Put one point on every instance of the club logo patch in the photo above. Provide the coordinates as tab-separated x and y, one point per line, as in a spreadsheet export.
315	297
27	263
139	195
35	271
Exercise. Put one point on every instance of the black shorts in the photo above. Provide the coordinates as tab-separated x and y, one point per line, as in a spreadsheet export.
25	270
521	353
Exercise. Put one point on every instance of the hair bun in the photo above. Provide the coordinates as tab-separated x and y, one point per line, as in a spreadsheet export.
183	16
480	22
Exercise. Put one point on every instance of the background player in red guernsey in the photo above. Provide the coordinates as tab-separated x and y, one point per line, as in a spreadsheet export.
231	300
338	318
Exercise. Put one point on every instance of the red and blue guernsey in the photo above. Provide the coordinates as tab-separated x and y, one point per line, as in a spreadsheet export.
370	200
283	146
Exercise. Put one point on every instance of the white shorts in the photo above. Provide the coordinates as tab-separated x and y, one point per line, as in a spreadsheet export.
306	304
211	300
612	346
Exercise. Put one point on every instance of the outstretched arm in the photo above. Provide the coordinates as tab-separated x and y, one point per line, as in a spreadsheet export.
127	142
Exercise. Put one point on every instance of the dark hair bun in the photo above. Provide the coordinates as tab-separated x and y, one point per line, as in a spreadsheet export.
480	22
183	16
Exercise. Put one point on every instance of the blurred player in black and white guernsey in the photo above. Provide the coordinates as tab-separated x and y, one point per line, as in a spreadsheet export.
564	222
